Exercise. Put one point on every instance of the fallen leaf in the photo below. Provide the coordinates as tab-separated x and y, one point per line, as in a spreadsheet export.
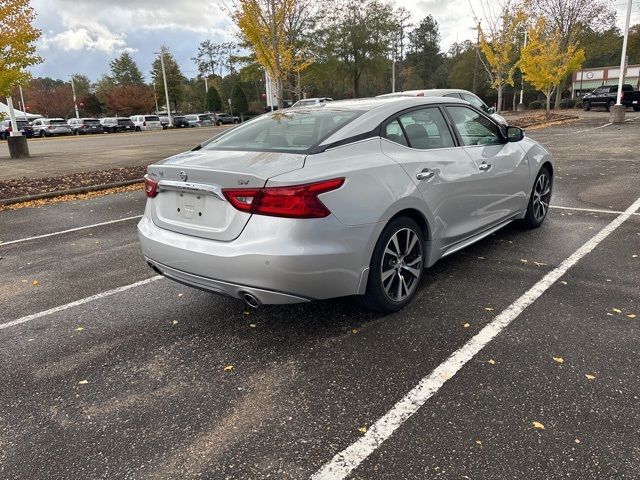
466	325
79	329
539	264
491	361
247	312
524	260
563	282
616	310
35	282
480	258
229	368
488	309
608	279
558	359
175	322
589	376
634	256
354	330
479	442
577	440
253	325
180	294
30	339
362	429
83	382
538	426
631	315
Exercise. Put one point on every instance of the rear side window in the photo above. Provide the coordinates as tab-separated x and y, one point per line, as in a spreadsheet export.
393	131
152	118
288	131
57	122
426	128
474	128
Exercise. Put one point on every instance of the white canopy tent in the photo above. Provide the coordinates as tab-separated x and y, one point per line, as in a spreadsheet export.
4	109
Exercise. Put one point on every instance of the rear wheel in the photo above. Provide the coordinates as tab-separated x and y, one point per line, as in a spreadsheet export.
539	200
42	134
636	108
219	123
586	106
396	266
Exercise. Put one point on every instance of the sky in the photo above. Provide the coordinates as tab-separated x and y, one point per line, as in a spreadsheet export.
82	36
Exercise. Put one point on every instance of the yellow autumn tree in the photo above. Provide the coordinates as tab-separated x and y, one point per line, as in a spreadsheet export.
544	62
497	42
269	27
17	43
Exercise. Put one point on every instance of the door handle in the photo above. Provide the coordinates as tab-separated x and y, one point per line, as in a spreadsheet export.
425	174
484	166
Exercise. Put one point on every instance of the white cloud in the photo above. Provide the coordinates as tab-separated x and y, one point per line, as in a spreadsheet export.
87	37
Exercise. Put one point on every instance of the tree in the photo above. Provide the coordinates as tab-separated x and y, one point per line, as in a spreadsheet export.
174	78
130	99
239	100
359	35
497	41
570	17
17	43
271	28
49	97
544	62
91	105
214	55
124	70
82	84
424	52
212	102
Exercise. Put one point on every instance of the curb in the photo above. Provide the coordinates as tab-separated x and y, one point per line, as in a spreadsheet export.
72	191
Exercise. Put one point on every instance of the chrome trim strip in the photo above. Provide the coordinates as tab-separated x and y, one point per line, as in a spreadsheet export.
214	190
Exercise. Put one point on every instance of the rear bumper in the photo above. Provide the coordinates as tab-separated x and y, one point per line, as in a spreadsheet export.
277	260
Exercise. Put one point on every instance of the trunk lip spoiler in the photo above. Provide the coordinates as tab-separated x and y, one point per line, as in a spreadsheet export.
214	190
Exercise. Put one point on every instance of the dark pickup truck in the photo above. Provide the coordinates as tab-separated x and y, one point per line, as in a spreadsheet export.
606	96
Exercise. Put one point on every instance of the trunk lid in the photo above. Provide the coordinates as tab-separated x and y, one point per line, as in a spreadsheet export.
190	199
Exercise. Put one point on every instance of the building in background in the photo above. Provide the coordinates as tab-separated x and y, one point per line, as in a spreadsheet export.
584	81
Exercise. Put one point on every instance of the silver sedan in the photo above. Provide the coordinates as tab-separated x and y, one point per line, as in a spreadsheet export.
349	198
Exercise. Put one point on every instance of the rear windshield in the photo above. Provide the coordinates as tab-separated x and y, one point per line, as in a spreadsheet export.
288	131
124	121
204	117
91	121
152	118
57	122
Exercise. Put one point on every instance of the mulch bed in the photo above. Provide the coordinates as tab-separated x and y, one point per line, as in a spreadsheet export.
21	187
540	119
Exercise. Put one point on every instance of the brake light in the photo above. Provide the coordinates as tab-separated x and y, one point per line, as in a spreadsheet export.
621	96
297	201
144	123
150	187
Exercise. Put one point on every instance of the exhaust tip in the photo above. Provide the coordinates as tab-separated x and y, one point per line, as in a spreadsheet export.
250	300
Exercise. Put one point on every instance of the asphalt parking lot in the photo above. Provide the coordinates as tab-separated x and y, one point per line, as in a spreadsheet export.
110	372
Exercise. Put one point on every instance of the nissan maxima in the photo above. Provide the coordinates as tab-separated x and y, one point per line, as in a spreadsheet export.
348	198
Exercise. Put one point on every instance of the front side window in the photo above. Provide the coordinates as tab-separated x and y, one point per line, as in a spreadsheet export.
426	128
284	130
474	128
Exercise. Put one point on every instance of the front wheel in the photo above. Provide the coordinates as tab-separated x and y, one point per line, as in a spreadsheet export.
539	200
636	108
586	106
396	266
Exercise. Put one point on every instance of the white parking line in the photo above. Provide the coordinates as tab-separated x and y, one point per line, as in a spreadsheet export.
347	460
82	301
594	128
590	210
70	230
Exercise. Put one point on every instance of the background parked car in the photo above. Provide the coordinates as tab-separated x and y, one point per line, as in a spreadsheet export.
115	124
179	121
199	120
146	122
606	97
164	121
48	127
306	102
225	119
465	95
23	126
81	126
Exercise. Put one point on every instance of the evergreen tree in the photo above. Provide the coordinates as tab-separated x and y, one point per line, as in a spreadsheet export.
239	100
212	102
124	70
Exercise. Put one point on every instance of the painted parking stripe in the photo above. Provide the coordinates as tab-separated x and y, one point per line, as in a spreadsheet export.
590	210
82	301
70	230
341	465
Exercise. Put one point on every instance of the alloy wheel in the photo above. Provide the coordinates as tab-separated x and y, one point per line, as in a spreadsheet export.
401	266
541	197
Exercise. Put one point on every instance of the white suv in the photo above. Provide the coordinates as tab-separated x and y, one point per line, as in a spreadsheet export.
48	127
146	122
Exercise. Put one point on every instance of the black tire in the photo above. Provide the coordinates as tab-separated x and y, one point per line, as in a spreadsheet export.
138	129
537	212
236	121
636	108
379	295
586	106
220	123
610	105
42	134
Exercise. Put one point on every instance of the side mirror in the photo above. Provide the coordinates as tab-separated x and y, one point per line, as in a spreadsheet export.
515	134
491	110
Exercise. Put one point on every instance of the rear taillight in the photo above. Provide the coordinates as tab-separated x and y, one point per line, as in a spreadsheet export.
621	96
150	187
298	201
144	124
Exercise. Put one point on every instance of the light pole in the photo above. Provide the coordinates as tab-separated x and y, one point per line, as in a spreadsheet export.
75	103
618	110
521	104
22	102
164	79
475	63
